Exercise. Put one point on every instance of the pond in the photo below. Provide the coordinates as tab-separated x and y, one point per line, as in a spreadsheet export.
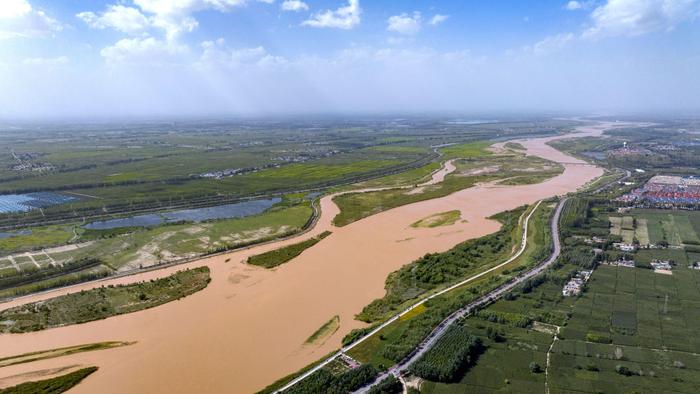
12	203
11	234
227	211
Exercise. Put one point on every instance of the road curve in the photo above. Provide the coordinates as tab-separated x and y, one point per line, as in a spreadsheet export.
521	249
484	300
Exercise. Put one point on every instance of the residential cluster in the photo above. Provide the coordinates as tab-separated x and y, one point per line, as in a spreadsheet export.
621	262
229	172
25	162
665	191
663	265
575	285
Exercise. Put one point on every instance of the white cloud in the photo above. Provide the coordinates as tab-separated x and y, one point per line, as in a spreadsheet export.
438	19
19	19
142	50
218	54
46	61
550	44
125	19
636	17
573	5
579	5
345	17
404	23
11	9
173	17
294	5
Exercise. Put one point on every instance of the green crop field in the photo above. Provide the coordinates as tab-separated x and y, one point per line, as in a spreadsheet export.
675	227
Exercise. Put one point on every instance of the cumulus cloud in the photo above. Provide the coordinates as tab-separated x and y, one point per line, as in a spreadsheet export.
125	19
19	19
345	17
404	23
636	17
550	44
142	50
159	25
438	19
294	5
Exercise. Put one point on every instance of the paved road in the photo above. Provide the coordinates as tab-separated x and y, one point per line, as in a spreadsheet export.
523	246
486	299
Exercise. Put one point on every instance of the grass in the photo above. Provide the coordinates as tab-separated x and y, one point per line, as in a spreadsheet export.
326	330
103	302
471	149
60	352
41	237
410	177
439	219
59	384
282	255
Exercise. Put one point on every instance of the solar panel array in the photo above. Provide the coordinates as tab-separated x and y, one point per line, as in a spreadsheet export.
13	203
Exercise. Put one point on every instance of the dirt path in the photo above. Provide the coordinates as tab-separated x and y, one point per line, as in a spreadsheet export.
249	326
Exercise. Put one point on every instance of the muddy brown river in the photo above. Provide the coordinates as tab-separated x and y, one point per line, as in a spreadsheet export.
248	327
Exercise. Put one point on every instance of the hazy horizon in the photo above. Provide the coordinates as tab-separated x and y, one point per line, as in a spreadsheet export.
205	58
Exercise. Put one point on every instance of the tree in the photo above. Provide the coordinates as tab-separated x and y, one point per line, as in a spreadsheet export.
535	368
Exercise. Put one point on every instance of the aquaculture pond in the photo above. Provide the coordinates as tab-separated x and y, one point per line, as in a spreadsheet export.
12	203
227	211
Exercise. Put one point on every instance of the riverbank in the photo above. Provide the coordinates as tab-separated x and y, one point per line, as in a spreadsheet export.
248	327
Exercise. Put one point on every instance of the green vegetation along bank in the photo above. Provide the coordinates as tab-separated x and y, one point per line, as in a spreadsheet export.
103	302
57	385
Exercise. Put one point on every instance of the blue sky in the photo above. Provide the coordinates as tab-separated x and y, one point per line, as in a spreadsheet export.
78	58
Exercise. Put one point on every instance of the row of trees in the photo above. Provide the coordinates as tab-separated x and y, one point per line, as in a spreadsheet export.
324	381
451	355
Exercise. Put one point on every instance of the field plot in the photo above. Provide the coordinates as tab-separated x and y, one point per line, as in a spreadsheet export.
622	332
512	344
629	229
635	319
675	227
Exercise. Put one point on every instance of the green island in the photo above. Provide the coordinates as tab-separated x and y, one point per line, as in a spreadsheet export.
514	145
102	302
326	330
282	255
57	385
439	219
